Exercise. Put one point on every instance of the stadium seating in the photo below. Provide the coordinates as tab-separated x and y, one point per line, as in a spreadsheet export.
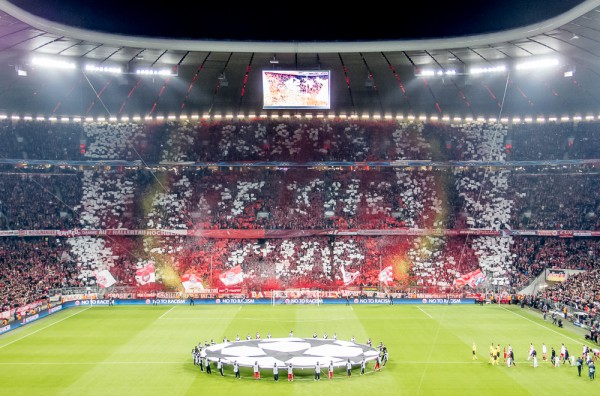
161	187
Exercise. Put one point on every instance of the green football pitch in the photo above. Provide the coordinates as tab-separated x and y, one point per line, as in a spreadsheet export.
146	350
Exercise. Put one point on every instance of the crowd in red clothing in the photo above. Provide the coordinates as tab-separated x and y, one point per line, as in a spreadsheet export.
295	198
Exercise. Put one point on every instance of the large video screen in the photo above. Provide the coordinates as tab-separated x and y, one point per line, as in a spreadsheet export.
295	89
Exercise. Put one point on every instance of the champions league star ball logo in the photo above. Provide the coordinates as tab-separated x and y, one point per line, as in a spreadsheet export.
300	352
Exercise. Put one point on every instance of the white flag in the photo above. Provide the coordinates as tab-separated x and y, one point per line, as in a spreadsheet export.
386	275
146	274
348	277
105	279
233	276
192	283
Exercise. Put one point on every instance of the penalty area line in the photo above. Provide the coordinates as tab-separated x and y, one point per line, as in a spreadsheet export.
43	328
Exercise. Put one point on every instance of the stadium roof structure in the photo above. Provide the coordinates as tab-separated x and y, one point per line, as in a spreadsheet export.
536	70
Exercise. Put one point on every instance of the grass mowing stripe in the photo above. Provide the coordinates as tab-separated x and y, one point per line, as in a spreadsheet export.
43	328
432	347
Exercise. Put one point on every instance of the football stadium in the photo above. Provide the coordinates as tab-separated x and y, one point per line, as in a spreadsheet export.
301	200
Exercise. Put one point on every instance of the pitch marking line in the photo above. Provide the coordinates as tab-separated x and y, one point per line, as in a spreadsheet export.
43	328
430	317
172	308
552	330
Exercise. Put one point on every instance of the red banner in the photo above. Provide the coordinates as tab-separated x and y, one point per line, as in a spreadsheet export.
230	290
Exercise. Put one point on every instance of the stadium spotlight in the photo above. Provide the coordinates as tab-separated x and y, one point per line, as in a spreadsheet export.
52	63
426	73
103	69
537	64
569	71
21	71
487	69
155	72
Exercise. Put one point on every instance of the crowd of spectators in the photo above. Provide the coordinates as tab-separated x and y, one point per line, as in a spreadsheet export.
292	140
39	201
173	196
30	267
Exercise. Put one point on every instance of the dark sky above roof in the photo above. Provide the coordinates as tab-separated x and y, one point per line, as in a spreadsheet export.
297	21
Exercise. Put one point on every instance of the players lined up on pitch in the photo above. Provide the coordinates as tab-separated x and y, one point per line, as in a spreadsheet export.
588	357
205	364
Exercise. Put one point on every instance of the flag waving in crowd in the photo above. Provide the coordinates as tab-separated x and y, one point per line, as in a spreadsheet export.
105	279
386	275
192	283
233	276
146	274
473	278
347	276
